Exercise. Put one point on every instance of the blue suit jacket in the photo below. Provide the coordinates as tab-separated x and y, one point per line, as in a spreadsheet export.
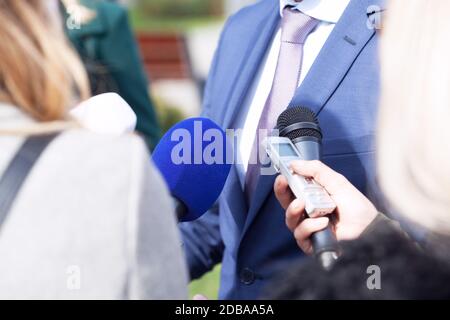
252	241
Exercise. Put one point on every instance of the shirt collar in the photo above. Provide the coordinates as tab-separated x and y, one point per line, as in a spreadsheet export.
322	10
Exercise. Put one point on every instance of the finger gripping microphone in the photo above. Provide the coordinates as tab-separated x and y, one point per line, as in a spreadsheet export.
192	157
301	126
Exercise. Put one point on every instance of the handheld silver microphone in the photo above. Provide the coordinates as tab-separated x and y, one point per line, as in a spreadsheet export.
301	126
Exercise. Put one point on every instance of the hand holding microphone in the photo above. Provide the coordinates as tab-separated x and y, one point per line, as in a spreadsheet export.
313	188
354	212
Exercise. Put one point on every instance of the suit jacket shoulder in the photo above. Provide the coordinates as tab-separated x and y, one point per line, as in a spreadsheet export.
243	21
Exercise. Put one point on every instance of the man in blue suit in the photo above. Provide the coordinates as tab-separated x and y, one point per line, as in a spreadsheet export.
330	62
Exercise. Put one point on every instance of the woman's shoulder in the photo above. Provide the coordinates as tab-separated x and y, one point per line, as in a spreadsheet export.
87	149
87	140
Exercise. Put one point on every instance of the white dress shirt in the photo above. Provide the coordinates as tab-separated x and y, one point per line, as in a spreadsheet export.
328	12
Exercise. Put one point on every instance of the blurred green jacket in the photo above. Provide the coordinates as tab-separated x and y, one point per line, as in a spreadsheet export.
108	37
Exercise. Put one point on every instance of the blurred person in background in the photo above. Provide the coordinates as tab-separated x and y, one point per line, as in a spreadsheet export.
101	33
414	172
93	207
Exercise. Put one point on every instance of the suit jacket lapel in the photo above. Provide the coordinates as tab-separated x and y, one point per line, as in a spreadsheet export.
252	55
235	200
349	37
347	40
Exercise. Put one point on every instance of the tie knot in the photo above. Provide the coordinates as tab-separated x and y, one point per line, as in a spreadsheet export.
296	26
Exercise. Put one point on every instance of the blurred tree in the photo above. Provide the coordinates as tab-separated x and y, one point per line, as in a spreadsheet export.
231	6
181	8
168	115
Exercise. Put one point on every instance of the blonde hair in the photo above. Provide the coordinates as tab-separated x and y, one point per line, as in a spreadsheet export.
414	130
39	72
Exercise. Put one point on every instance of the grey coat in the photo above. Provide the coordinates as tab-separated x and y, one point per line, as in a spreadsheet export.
93	221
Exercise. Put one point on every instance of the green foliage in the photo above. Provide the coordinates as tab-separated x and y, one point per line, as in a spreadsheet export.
168	115
157	24
208	285
180	8
175	16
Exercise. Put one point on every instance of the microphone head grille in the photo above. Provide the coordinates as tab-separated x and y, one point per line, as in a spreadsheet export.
196	185
296	115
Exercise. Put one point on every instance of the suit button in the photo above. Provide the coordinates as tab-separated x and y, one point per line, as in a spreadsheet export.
247	276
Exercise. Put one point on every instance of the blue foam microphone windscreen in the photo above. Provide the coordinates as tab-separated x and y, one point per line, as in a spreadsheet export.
192	157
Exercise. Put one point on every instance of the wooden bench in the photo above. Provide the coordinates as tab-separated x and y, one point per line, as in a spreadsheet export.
165	56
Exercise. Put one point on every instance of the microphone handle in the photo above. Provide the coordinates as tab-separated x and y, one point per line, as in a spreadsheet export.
326	247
